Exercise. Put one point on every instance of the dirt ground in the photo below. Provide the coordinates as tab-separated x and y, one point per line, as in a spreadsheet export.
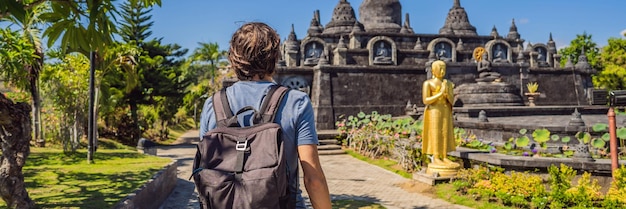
418	187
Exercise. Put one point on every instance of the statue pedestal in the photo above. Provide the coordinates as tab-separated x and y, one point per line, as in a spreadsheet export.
434	174
442	170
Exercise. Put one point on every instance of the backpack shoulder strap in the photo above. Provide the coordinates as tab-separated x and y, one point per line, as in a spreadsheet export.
271	103
221	107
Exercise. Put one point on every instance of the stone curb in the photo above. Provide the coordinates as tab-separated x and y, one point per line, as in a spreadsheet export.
152	194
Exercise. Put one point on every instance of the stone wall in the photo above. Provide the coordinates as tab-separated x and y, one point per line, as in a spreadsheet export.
350	89
152	194
560	86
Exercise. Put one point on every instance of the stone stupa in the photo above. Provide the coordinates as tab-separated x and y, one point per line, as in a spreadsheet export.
488	89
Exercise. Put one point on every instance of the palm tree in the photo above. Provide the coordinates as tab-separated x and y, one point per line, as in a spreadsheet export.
29	25
209	52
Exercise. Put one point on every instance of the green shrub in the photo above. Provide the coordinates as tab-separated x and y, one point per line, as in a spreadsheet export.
586	192
516	189
560	182
539	201
378	136
616	196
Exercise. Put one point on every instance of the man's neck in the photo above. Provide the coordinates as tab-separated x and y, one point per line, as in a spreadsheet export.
265	78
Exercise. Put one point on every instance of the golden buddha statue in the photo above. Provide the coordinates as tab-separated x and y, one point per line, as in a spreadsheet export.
438	133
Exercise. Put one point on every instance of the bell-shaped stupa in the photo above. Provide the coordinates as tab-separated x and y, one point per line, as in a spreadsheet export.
343	19
457	22
381	15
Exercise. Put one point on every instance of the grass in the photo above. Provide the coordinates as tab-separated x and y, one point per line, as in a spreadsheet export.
389	165
58	180
355	204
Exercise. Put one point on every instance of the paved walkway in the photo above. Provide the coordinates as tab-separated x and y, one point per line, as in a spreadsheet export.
348	178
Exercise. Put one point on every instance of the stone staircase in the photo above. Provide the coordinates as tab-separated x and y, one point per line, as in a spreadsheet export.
328	143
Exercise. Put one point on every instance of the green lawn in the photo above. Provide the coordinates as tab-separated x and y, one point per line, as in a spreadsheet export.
58	180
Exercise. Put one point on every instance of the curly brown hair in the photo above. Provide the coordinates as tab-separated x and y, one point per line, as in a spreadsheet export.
254	50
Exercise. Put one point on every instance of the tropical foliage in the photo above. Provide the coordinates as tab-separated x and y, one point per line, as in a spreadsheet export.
613	76
582	43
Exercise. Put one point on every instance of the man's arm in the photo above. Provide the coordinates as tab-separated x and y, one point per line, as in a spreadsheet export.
314	179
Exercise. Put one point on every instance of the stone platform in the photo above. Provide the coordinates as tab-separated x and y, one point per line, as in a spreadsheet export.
509	162
487	94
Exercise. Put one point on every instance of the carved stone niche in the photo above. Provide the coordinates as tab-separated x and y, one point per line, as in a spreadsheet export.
312	52
542	56
382	51
444	49
500	52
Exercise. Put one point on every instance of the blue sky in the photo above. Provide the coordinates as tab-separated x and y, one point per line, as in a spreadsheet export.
187	22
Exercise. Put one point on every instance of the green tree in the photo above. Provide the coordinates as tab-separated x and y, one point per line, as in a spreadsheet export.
164	81
613	56
88	27
66	90
20	62
201	70
159	73
15	52
82	26
579	44
136	24
135	30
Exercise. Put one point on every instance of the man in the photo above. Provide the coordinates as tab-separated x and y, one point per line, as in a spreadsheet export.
254	51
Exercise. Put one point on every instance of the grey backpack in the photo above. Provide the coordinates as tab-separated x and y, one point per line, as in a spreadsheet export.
243	167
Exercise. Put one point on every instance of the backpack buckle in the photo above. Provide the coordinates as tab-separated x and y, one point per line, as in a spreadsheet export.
241	145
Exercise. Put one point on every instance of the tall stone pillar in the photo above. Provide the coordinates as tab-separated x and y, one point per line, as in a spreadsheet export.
322	98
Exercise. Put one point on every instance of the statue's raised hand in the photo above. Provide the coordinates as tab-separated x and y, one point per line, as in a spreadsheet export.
444	86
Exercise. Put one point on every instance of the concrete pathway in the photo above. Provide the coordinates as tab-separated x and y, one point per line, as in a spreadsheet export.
348	178
184	195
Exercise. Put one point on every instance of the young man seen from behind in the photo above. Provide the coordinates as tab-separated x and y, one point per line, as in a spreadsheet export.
254	51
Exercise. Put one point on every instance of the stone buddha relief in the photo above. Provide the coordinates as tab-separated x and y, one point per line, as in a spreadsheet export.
443	51
313	52
542	56
500	53
382	53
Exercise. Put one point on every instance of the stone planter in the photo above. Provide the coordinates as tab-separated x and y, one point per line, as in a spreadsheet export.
531	98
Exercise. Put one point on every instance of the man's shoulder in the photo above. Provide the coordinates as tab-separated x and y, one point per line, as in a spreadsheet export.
297	95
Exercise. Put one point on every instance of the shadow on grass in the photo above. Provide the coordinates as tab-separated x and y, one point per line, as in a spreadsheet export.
64	180
89	190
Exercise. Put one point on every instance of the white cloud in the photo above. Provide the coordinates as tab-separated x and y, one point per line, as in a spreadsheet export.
623	33
523	21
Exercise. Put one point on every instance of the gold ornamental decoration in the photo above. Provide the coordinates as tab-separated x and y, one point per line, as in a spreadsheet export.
478	53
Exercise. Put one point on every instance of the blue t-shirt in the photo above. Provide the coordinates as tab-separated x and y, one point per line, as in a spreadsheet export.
295	115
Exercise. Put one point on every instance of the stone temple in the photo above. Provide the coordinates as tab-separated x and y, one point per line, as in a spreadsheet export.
378	62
